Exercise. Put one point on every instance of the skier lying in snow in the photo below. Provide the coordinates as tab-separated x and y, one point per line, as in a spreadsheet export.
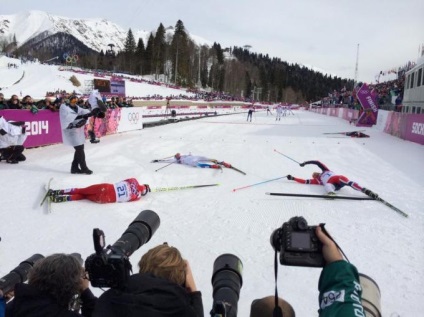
126	190
194	161
330	180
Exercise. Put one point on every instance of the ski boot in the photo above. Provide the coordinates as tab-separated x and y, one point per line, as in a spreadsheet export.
55	192
60	199
331	195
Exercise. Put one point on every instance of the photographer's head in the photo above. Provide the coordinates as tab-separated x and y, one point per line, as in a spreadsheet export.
59	276
166	262
264	307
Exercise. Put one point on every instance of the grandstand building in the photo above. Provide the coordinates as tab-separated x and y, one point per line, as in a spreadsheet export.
413	97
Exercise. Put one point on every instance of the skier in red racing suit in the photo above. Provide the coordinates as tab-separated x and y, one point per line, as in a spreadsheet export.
330	180
123	191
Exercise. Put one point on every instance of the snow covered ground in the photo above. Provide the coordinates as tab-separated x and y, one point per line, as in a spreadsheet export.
207	222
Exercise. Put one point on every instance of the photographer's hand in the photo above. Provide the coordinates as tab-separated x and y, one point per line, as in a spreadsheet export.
329	249
189	282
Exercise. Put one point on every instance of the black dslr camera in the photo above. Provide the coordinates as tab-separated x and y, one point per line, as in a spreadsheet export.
298	244
226	282
19	274
111	267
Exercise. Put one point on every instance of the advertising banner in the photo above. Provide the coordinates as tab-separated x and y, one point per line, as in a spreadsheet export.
117	87
42	128
131	119
367	117
414	128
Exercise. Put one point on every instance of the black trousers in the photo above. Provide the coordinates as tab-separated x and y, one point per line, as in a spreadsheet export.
79	158
13	153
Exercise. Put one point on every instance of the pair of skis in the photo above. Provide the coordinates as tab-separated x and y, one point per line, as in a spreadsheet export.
402	213
46	197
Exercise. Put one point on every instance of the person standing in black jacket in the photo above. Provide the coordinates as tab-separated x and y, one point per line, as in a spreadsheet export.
164	287
53	286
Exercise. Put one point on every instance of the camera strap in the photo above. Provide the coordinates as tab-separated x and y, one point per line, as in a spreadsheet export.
277	309
322	225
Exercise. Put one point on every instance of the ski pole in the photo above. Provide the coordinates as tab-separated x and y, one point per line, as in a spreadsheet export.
258	183
164	166
166	158
165	189
286	156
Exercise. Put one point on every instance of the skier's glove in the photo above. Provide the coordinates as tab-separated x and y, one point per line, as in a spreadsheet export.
87	115
369	193
3	132
302	164
290	178
155	161
80	123
70	126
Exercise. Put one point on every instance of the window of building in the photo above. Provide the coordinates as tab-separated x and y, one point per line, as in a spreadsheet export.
422	81
420	73
408	78
414	109
412	80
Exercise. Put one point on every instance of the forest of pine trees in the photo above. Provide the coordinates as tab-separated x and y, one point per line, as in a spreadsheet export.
178	60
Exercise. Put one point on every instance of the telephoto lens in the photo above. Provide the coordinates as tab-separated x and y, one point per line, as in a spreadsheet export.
226	282
138	233
18	274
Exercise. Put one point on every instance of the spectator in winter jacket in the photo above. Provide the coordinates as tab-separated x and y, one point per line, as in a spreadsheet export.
12	137
72	122
53	284
14	103
3	103
163	287
330	180
2	305
126	190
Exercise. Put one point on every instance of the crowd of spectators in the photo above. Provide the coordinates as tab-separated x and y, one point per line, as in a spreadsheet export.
53	104
389	96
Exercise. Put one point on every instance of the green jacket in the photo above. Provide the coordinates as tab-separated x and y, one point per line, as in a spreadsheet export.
340	291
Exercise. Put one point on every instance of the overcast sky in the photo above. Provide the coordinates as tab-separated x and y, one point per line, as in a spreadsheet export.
320	33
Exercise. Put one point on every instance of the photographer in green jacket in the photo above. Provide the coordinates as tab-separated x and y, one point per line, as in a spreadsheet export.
339	288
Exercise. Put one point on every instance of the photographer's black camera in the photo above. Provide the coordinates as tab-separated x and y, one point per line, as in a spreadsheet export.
298	244
226	282
19	274
111	267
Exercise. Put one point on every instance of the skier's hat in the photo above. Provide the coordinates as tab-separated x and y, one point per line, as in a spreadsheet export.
177	156
316	175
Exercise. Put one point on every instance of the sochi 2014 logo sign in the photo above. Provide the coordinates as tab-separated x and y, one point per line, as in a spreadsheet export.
133	117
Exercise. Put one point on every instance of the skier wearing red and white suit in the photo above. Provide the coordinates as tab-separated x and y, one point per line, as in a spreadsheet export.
330	180
123	191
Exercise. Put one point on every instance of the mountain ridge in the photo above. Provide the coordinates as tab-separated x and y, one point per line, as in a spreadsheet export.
95	33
